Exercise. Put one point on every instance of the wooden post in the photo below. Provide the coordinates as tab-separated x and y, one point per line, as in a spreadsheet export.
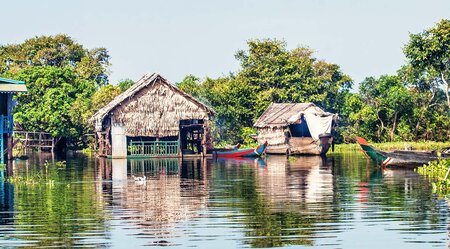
204	139
53	145
26	140
9	126
40	140
179	140
9	146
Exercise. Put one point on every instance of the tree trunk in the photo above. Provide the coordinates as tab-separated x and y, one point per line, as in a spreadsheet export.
394	126
446	89
382	125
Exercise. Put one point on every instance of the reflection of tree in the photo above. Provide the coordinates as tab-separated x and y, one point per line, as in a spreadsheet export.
262	194
56	208
389	194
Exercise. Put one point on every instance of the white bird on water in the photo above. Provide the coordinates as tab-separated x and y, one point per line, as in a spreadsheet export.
139	178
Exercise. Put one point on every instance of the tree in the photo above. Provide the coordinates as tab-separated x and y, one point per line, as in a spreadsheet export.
191	85
429	52
56	51
124	84
103	96
269	73
390	99
61	77
56	102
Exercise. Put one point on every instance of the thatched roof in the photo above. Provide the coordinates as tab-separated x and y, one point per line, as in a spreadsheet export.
148	80
281	114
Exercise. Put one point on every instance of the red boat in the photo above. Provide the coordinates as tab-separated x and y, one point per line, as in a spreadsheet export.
255	152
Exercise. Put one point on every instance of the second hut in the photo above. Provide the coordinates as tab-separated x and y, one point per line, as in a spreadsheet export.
296	128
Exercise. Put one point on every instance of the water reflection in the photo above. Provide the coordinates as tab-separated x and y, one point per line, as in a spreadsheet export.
296	179
339	202
164	198
49	205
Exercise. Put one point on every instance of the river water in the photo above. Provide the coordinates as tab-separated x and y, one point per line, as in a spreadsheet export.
342	201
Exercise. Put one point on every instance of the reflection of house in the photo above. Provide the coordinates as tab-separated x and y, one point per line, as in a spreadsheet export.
152	118
7	89
159	202
303	180
301	128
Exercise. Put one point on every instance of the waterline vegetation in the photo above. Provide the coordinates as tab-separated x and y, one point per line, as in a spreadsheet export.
438	172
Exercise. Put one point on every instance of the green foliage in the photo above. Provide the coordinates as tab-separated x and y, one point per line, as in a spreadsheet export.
429	53
247	137
124	84
438	171
56	51
384	103
269	73
191	85
49	176
68	83
412	105
417	145
61	77
57	101
104	95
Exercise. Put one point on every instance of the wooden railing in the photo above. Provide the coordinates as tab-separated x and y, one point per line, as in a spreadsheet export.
6	124
36	140
153	148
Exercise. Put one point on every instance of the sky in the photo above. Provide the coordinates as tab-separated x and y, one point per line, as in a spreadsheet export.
201	37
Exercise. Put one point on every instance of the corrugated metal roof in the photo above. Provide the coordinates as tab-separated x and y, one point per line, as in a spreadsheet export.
12	88
278	114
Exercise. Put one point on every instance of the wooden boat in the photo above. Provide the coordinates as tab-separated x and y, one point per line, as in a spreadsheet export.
400	157
226	148
256	152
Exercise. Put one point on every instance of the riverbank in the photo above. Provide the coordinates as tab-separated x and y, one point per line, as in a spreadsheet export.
429	145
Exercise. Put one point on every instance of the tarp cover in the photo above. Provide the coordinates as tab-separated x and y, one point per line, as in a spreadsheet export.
318	121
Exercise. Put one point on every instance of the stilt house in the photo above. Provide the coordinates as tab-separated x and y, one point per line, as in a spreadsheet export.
296	128
8	88
153	118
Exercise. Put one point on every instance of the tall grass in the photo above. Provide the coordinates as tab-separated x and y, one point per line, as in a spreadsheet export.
395	146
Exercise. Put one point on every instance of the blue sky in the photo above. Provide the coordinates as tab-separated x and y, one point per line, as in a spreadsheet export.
176	38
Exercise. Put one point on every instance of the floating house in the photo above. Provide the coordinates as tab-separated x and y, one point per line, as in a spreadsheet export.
296	128
153	118
8	88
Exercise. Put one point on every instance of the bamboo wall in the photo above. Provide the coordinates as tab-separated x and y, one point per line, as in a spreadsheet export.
273	136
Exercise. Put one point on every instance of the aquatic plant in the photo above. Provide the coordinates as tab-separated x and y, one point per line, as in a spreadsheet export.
49	176
438	171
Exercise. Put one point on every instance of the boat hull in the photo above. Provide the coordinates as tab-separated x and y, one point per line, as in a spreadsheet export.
256	152
303	146
399	158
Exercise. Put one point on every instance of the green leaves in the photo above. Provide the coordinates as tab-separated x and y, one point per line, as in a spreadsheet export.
56	101
429	53
61	77
56	51
269	73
